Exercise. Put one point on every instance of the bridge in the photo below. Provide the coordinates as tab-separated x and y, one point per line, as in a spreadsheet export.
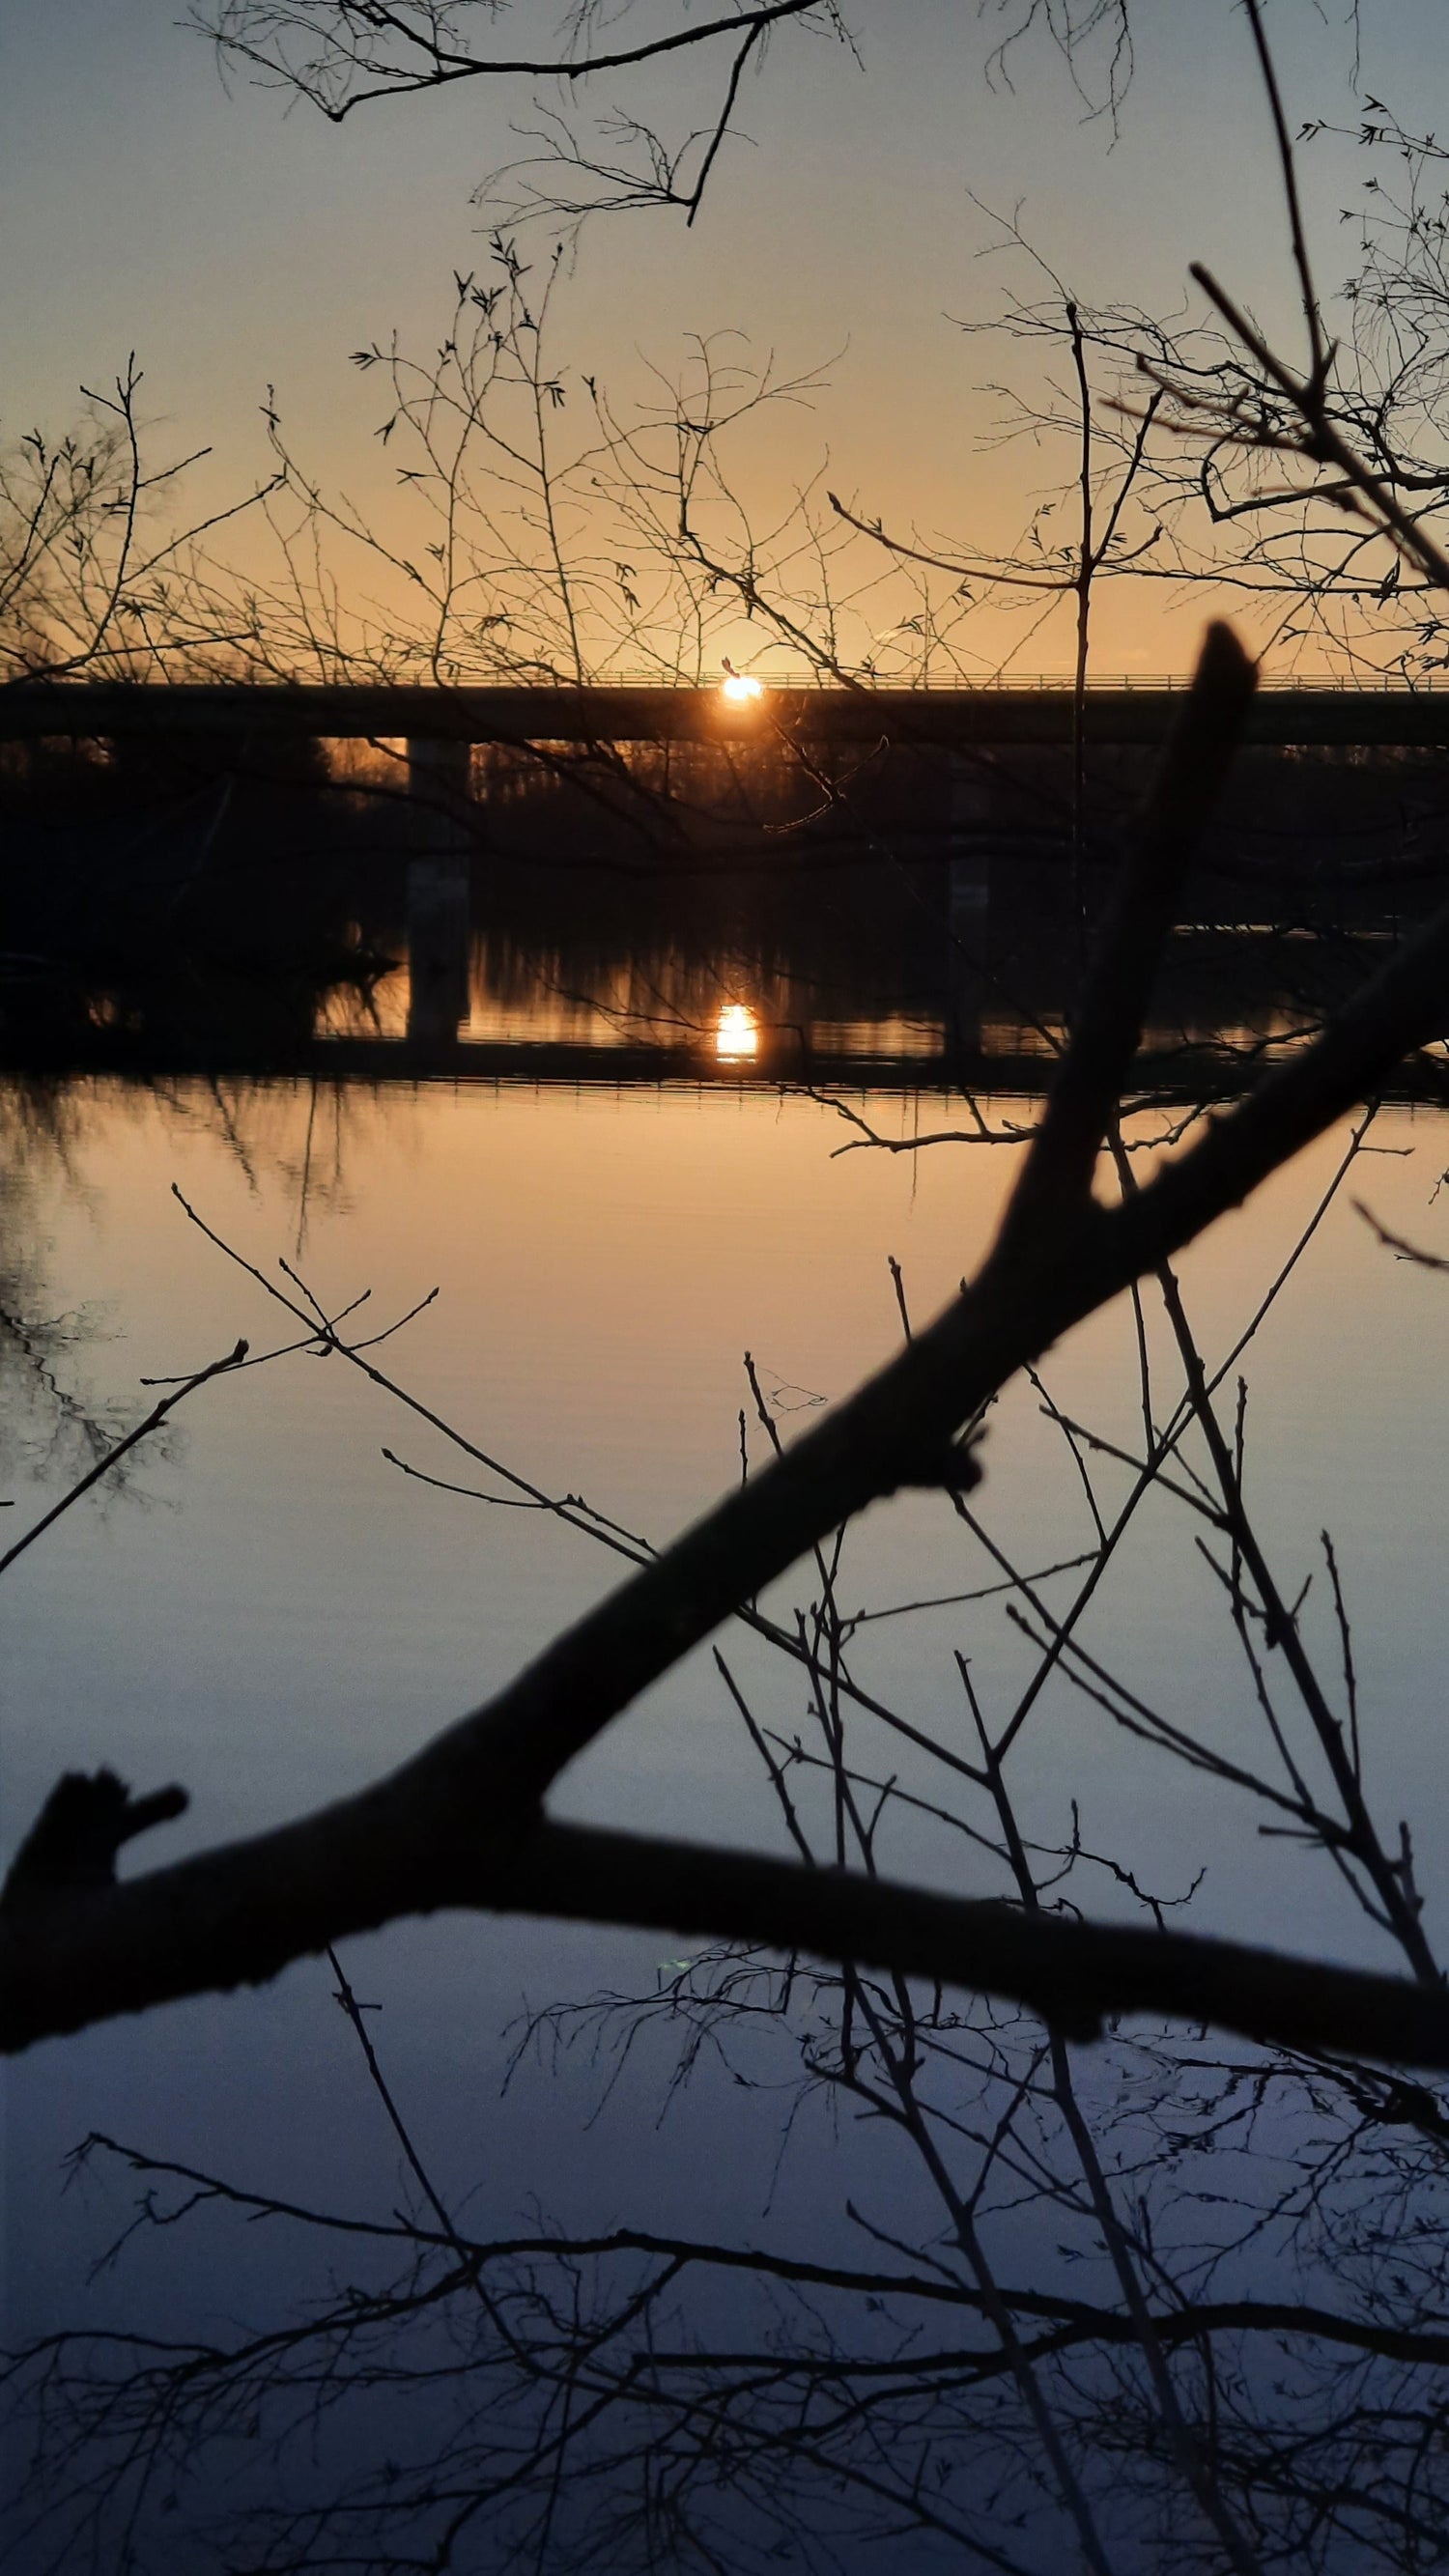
952	718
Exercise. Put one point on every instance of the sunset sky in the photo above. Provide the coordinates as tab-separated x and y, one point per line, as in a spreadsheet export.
234	245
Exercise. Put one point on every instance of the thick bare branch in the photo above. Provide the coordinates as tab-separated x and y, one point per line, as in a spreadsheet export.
233	1917
455	1824
349	57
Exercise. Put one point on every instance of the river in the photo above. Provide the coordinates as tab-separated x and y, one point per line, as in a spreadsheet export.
269	1608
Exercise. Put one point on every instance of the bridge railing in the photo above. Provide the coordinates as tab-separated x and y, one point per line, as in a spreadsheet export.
1048	683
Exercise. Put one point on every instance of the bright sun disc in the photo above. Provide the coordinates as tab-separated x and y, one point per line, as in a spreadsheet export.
737	1037
738	686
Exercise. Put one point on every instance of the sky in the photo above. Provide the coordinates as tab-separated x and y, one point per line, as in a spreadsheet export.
236	242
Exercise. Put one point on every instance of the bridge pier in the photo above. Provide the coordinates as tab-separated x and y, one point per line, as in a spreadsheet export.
439	947
968	894
438	887
440	779
968	827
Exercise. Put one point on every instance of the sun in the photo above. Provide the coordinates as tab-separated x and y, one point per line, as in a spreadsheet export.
738	686
737	1035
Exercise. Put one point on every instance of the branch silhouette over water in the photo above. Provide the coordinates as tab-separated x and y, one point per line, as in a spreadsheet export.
463	1824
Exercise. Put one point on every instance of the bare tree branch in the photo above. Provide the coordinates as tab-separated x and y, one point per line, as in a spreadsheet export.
460	1823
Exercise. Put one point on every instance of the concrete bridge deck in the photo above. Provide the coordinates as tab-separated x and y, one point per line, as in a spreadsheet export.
952	719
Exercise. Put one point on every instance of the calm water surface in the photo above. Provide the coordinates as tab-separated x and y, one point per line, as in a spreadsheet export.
272	1612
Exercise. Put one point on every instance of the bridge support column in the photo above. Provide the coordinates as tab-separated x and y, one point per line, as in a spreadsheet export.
440	778
439	947
439	884
968	894
968	828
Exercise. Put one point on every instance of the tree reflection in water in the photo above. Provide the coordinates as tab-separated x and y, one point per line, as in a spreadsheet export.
1173	2303
51	1421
